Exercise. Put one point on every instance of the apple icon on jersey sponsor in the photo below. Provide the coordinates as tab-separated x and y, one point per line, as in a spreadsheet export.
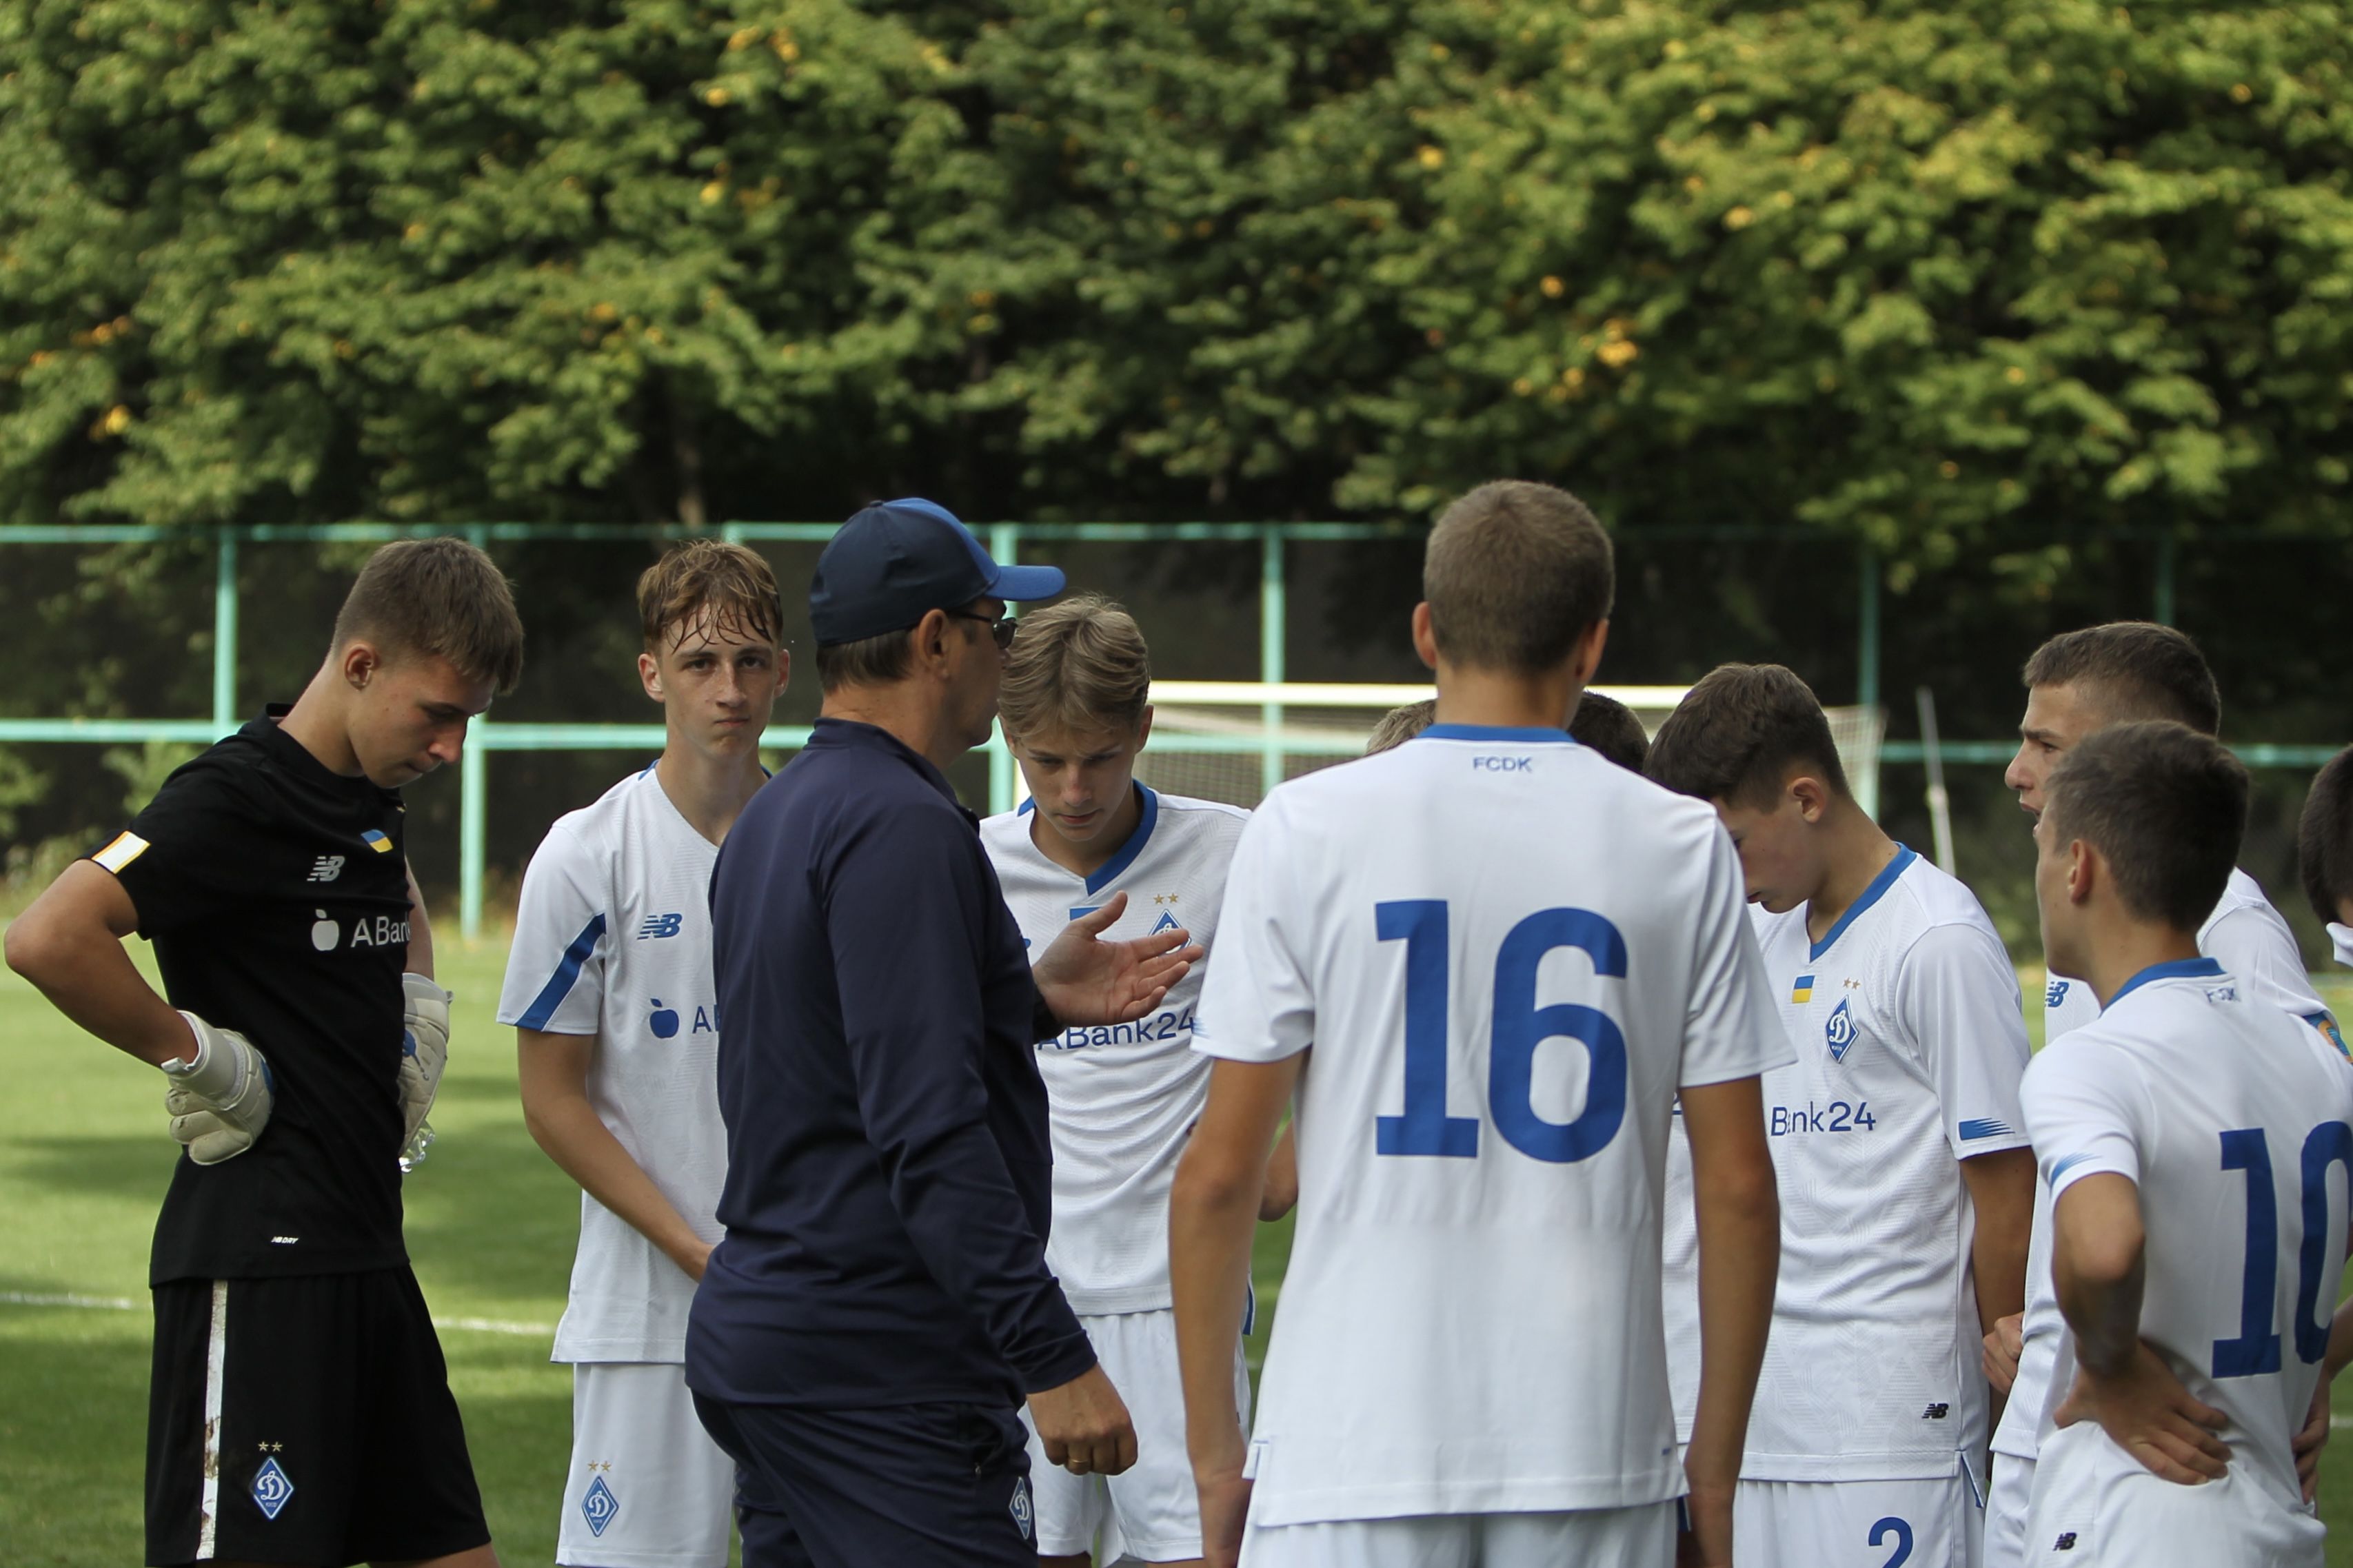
325	934
664	1021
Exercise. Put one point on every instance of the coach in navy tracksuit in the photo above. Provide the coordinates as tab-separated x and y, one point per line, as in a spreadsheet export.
865	1335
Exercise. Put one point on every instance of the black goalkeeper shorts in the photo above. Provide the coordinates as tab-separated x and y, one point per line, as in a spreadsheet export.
304	1420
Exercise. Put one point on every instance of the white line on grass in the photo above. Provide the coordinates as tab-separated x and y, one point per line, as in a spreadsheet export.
124	1304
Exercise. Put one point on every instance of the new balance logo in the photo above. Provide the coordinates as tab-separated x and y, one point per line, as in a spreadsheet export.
659	926
326	868
2065	1542
1936	1412
2055	993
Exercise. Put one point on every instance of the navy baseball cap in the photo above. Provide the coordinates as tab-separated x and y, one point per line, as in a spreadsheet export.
897	561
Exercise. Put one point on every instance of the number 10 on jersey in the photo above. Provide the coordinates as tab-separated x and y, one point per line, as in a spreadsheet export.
1519	1027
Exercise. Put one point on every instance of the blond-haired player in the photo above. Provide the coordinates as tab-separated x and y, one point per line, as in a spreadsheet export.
610	987
1075	708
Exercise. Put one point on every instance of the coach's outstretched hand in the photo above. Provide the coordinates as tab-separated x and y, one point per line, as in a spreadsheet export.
2145	1408
1084	1426
1085	980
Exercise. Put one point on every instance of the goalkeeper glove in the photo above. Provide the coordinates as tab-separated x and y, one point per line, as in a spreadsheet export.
424	1050
220	1101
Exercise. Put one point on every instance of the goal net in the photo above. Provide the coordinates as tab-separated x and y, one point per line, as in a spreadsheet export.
1233	741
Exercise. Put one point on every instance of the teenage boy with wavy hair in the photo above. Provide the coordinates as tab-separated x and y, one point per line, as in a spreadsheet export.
1076	708
611	993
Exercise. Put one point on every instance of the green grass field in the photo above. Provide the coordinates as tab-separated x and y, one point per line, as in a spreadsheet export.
83	1163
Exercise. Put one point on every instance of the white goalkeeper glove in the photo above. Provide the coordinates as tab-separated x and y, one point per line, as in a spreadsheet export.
219	1100
424	1050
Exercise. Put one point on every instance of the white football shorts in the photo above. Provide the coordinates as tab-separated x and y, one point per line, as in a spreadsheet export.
2005	1511
1934	1523
1149	1513
1642	1537
647	1488
2094	1503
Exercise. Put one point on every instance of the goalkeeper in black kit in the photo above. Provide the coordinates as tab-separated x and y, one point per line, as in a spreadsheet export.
300	1409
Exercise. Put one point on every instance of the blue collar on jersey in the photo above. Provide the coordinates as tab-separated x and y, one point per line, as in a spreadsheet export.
2176	969
1500	734
1871	895
1128	851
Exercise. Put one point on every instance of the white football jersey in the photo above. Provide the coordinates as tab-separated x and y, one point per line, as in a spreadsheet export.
2236	1124
2253	942
613	938
1506	954
1123	1097
1911	1041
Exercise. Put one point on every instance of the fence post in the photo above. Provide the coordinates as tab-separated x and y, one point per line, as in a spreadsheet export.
1867	670
473	785
224	632
1005	544
1272	610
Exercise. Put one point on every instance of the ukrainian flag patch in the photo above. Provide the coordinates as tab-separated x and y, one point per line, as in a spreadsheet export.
1802	988
378	840
126	848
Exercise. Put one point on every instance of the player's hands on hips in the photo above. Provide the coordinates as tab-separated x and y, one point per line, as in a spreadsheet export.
1225	1508
2312	1438
219	1098
2002	1349
1083	1426
424	1048
2152	1416
1086	980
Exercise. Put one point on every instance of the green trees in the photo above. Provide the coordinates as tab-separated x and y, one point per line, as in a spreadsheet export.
1895	271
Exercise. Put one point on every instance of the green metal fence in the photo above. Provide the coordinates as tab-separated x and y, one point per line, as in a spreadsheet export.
1005	541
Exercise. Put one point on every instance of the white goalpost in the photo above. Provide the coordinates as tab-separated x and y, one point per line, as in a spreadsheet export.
1234	740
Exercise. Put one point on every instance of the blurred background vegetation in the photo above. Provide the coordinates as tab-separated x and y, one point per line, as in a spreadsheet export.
2009	296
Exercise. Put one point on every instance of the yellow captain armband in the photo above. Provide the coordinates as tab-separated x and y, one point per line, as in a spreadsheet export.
126	848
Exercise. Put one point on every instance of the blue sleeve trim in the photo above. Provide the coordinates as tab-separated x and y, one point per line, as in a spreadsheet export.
559	984
2065	1166
1986	1127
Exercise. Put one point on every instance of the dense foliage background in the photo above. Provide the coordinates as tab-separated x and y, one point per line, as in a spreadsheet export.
2001	292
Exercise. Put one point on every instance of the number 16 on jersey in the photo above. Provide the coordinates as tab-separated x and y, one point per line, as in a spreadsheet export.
1519	1027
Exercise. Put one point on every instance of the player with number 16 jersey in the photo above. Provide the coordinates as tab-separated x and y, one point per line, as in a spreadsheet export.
1502	956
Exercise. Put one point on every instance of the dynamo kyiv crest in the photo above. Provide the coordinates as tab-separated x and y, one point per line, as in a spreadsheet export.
1838	1033
599	1507
1024	1513
272	1489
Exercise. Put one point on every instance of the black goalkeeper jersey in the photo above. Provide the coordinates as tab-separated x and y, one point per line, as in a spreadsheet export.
276	894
